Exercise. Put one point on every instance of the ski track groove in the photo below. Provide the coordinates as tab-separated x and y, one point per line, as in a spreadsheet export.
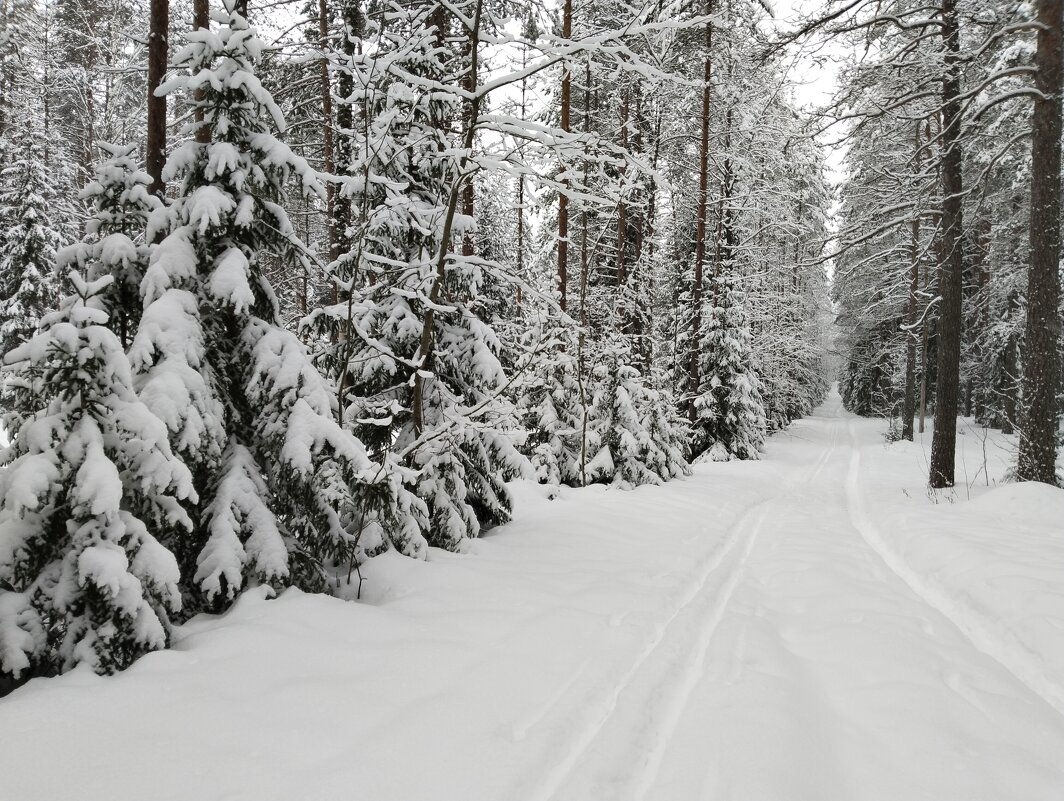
674	712
582	742
732	540
1008	652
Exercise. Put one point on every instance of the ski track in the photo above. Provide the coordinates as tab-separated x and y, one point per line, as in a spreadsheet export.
740	538
607	704
722	573
649	749
1001	646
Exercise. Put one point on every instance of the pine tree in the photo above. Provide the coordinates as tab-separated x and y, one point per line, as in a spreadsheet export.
88	500
286	495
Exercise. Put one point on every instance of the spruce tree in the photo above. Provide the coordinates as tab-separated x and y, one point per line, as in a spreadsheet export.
730	418
439	409
89	498
114	244
28	287
286	496
547	395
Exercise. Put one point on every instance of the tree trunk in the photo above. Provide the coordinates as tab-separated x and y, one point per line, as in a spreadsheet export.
944	440
909	402
427	343
158	49
520	265
469	191
694	379
908	411
351	19
622	207
201	18
563	198
1010	374
327	156
1038	447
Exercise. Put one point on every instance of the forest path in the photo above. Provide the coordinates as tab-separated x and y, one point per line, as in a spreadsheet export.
807	627
809	669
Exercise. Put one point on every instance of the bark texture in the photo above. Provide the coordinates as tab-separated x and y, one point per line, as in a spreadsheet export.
158	50
1038	448
944	439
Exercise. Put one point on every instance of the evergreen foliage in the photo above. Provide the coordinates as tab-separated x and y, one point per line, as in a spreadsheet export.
114	244
729	414
286	494
28	287
91	496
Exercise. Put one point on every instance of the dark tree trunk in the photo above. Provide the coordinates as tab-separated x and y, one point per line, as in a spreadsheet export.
201	18
621	266
158	50
563	199
982	264
908	410
351	19
469	190
1010	374
1038	448
944	440
328	154
694	380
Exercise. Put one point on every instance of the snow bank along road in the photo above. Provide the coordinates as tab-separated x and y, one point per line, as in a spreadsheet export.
807	627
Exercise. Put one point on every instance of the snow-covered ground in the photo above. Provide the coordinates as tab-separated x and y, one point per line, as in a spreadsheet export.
811	626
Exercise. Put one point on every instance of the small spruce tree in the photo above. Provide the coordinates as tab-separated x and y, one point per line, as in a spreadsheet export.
89	497
730	418
28	286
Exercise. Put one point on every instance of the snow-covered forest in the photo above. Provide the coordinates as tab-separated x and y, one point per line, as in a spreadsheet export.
296	296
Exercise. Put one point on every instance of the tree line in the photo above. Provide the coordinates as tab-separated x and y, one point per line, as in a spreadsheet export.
948	265
285	288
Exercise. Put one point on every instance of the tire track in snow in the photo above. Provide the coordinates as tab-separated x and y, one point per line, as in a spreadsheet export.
606	705
995	642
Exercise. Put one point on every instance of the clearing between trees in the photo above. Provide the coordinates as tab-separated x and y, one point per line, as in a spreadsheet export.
809	626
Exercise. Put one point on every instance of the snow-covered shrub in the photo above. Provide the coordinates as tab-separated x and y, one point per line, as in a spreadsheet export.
636	432
550	406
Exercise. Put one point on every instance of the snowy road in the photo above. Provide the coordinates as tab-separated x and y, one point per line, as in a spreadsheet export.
743	635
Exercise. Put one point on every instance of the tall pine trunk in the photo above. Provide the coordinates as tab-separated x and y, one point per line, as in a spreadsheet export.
944	439
201	18
563	198
1038	447
908	411
158	50
327	155
700	226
